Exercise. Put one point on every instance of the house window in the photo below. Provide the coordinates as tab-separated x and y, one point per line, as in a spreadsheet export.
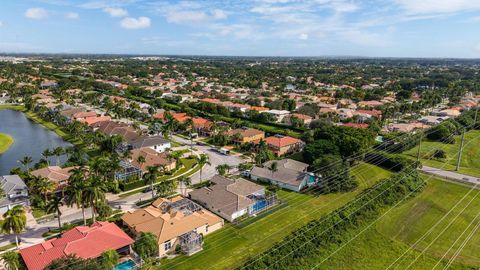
168	245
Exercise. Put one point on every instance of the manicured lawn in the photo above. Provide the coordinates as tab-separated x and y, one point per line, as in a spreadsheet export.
230	246
412	220
5	142
470	163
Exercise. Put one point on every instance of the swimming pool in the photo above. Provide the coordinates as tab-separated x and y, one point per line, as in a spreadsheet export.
126	265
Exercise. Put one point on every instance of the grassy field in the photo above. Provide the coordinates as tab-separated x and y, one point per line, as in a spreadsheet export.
230	246
5	142
470	163
381	245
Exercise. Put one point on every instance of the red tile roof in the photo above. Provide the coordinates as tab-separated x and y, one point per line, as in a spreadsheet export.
353	125
83	241
281	141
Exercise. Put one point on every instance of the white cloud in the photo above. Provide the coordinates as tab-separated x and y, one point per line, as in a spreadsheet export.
135	23
438	6
219	14
303	36
116	12
36	13
187	17
72	15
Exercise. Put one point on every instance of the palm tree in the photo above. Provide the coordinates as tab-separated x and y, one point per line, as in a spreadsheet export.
202	160
153	172
25	161
14	221
273	167
141	160
94	191
75	190
186	182
46	154
109	259
190	126
54	206
223	169
57	152
44	186
11	260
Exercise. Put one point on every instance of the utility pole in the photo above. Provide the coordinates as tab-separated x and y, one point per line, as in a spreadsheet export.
461	149
419	146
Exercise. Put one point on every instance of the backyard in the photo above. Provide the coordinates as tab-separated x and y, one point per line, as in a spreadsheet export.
470	163
239	242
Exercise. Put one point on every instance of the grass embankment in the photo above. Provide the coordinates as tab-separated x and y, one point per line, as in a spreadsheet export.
381	245
5	142
229	247
470	163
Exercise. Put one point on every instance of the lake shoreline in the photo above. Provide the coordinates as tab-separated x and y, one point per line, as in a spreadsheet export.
6	141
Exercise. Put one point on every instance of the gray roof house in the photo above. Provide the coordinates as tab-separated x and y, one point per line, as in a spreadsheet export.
290	174
230	198
15	192
157	143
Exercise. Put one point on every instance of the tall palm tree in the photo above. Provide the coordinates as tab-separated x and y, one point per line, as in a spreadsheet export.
14	221
153	172
202	160
47	154
54	206
273	167
57	152
223	169
11	260
44	186
109	259
141	160
95	191
25	161
186	182
74	191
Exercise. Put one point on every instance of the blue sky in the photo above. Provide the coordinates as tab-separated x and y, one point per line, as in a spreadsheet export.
397	28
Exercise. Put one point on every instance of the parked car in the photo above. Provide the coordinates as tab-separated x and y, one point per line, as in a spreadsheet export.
148	189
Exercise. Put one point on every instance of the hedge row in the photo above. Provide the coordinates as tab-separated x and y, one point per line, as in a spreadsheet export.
319	237
390	162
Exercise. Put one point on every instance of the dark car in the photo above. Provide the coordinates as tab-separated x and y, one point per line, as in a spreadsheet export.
148	189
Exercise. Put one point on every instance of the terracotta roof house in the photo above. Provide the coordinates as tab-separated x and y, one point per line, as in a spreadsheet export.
95	119
305	119
180	117
82	241
231	198
281	145
259	109
68	113
370	103
56	174
110	128
290	174
202	126
152	158
246	135
15	192
83	115
355	125
175	222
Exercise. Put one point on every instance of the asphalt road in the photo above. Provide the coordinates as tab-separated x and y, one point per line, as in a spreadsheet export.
451	175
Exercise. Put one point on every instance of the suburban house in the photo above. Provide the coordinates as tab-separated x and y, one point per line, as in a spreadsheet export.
175	222
132	167
83	241
304	119
279	114
290	174
58	175
281	145
246	135
232	198
15	192
202	126
157	143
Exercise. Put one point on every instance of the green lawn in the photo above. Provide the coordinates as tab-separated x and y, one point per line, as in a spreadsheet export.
230	246
381	245
470	163
5	142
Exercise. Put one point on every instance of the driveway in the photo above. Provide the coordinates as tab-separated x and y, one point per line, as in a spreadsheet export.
215	159
451	175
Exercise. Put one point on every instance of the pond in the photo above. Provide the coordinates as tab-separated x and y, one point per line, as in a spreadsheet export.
31	139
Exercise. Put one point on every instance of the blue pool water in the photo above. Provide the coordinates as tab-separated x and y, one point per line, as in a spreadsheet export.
126	265
311	179
259	205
